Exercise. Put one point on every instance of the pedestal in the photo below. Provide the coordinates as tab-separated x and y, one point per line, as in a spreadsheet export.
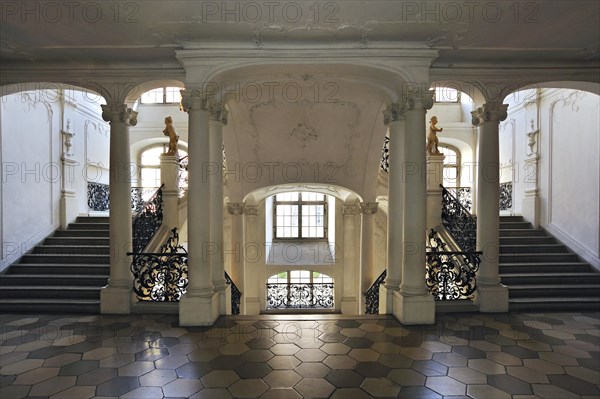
198	311
492	299
386	298
349	305
68	208
414	309
116	300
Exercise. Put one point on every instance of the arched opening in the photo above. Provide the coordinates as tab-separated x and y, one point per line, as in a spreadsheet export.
300	289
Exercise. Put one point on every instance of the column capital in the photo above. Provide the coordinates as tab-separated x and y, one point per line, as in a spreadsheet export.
218	112
251	210
492	111
393	113
368	208
194	99
235	208
116	112
350	210
420	97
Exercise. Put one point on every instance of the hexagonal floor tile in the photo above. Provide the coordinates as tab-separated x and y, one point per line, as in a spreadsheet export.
220	378
314	388
248	388
282	378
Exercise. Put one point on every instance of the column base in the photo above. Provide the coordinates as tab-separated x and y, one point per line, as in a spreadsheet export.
349	305
252	306
224	297
199	311
414	309
115	300
492	299
386	299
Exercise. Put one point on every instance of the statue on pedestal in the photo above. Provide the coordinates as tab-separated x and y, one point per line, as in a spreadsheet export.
173	137
432	140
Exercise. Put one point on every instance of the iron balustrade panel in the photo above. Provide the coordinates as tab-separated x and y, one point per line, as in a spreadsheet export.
160	277
506	191
147	221
98	197
299	296
450	275
372	295
138	196
384	162
236	295
459	222
463	195
183	176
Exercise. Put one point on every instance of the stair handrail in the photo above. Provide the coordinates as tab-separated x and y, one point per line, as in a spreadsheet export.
450	275
459	222
372	294
147	220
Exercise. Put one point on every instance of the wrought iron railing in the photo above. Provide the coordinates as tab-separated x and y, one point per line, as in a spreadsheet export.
162	276
183	176
450	275
459	222
147	221
463	195
372	294
298	296
506	191
236	295
384	162
98	197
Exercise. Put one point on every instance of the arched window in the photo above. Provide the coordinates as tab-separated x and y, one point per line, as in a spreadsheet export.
150	165
298	289
451	165
162	95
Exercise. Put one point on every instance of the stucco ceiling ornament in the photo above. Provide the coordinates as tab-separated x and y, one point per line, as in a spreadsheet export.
304	133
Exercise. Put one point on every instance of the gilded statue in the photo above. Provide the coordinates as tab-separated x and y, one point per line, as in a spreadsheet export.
432	140
173	137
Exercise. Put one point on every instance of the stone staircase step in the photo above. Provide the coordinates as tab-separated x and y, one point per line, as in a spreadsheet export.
512	218
527	240
77	241
53	279
59	268
530	249
81	233
549	278
551	290
522	233
54	292
70	250
55	258
92	219
538	257
558	303
515	225
543	267
88	226
42	305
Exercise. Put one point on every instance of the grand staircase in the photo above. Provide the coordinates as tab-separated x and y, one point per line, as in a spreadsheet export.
543	274
64	273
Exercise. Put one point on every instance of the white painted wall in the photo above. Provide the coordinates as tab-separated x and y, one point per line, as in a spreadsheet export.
31	149
569	165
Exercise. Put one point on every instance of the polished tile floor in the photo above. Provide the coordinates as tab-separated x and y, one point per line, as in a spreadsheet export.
516	356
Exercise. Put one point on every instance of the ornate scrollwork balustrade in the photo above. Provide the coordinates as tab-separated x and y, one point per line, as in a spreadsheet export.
463	195
450	275
98	197
506	191
162	276
139	195
384	162
147	221
298	296
236	295
459	222
183	176
372	294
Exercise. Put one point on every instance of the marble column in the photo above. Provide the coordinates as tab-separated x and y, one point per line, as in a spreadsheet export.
491	295
413	304
169	175
233	252
350	289
394	117
117	296
367	267
218	118
435	178
200	304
